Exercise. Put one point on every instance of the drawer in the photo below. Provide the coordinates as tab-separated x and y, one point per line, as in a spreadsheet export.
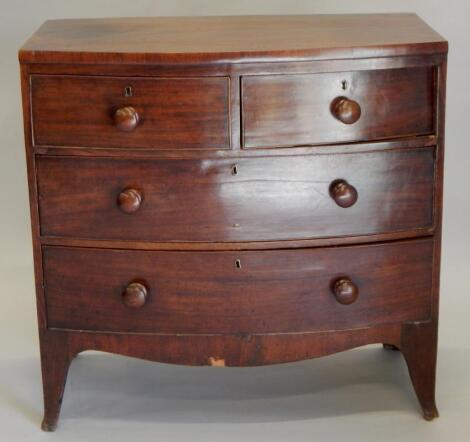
268	292
247	199
289	110
164	113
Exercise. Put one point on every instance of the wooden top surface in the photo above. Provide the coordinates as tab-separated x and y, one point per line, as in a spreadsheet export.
230	38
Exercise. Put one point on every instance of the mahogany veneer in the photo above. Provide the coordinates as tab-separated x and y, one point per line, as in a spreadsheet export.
235	191
171	112
283	110
275	291
268	198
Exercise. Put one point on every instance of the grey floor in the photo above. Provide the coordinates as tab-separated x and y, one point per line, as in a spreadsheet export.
360	395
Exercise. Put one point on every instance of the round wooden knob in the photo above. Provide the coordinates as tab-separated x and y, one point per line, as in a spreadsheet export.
345	291
345	110
126	119
135	295
344	194
129	200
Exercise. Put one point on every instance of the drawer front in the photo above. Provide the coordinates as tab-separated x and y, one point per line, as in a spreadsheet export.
165	113
267	292
269	198
287	110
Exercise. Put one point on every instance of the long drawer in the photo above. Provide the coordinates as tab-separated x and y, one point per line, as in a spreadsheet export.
162	113
238	292
301	109
249	199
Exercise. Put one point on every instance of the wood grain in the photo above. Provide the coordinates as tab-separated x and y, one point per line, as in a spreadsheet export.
419	347
269	198
206	292
173	113
236	39
290	110
267	216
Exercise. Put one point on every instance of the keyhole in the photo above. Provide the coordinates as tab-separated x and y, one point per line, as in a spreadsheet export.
344	85
128	91
238	264
234	170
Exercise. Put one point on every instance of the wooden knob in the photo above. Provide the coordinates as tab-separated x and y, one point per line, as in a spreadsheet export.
343	193
345	110
135	295
345	291
129	200
126	119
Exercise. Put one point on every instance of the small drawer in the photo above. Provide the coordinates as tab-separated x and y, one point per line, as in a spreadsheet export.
161	113
244	199
290	110
238	292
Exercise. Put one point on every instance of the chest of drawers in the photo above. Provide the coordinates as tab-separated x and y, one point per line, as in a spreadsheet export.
235	191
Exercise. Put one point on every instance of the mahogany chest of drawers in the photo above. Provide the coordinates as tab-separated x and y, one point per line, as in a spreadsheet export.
235	191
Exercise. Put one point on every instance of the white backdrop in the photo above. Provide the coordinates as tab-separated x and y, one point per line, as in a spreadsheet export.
221	416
